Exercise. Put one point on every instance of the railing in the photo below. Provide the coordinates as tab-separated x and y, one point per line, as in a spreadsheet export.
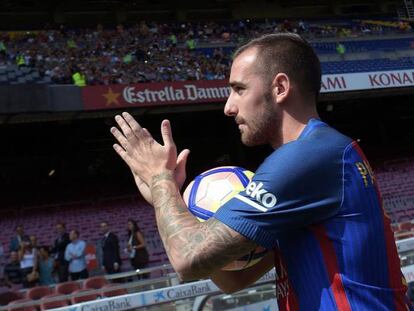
193	294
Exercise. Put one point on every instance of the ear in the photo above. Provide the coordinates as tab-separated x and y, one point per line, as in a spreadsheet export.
281	87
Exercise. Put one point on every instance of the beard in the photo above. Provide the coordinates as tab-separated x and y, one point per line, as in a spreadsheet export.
265	127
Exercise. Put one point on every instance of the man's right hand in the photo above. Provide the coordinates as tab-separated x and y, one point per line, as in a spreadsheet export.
179	174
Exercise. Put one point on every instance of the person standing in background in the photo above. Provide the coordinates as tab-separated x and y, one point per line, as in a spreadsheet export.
58	250
136	249
28	263
33	241
111	260
341	50
12	272
46	267
2	261
17	239
75	255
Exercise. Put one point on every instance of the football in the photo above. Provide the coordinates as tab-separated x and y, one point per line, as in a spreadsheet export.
212	189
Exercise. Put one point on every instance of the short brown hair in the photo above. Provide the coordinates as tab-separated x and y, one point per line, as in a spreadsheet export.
288	53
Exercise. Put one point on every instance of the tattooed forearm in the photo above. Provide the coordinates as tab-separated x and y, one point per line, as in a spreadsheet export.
203	247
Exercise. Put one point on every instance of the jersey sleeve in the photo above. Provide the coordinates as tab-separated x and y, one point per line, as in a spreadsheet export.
297	185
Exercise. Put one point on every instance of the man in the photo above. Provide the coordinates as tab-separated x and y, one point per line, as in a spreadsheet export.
111	260
2	259
15	241
75	255
12	272
313	203
33	241
59	247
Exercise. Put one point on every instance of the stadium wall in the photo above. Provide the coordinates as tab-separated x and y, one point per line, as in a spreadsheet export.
70	98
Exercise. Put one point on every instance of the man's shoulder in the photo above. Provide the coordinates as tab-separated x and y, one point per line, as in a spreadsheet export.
322	145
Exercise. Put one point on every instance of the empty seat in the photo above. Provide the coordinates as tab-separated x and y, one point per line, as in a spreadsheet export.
35	75
12	306
25	69
67	288
95	282
21	80
84	297
407	226
111	290
38	292
9	296
46	305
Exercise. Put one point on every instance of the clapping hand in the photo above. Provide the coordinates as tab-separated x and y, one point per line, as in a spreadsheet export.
145	156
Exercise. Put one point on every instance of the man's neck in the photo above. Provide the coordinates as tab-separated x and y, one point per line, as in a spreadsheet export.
295	121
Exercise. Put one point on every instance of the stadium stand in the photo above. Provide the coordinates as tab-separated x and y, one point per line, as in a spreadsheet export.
367	65
365	45
396	183
86	217
156	52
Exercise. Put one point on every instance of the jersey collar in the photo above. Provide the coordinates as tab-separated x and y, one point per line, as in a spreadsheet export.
309	128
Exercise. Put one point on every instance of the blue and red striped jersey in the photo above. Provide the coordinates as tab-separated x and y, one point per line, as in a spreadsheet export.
315	202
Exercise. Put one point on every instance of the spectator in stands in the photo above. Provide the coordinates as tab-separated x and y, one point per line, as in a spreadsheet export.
75	255
106	56
16	241
28	263
111	260
2	255
12	272
61	242
33	241
341	50
46	266
78	76
136	249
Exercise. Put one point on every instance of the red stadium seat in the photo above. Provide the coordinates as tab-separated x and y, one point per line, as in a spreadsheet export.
38	292
95	282
107	290
9	296
406	226
19	301
67	288
44	305
83	298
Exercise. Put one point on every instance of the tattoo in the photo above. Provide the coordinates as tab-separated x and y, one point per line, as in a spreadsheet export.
162	176
205	246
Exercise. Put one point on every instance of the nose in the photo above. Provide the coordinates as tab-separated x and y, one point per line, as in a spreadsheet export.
230	109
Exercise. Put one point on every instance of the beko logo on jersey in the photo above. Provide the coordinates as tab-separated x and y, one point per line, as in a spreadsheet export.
257	192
